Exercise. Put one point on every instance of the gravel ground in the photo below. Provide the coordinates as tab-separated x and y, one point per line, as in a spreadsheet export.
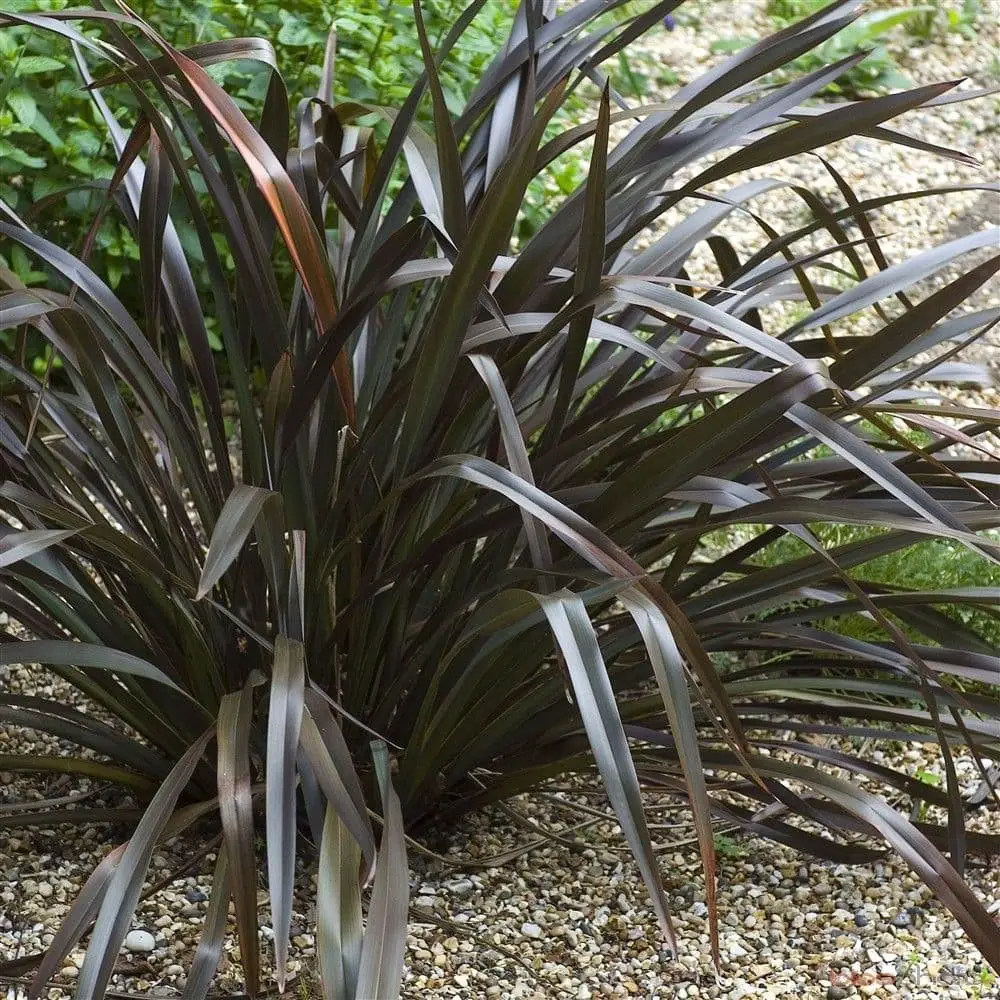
567	921
573	921
873	168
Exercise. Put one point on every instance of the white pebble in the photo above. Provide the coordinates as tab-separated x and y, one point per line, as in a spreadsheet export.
141	941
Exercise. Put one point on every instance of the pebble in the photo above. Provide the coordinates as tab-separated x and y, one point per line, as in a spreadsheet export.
531	930
140	941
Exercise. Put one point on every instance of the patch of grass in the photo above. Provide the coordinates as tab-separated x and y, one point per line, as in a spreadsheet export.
727	847
939	19
937	564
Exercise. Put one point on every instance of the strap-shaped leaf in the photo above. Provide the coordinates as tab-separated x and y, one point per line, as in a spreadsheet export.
326	750
385	935
122	893
517	452
44	715
63	653
20	545
598	709
488	233
236	813
305	244
339	930
894	341
75	923
590	266
236	521
882	471
154	213
700	446
283	725
894	278
213	934
669	671
449	158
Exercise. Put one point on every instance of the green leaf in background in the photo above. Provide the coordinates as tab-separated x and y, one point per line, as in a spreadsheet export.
23	105
297	32
38	64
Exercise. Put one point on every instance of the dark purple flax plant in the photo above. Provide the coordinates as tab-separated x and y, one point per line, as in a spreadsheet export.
439	533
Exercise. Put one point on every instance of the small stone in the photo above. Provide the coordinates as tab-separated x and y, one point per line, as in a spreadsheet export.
462	980
174	971
195	896
737	950
45	889
459	886
140	941
69	972
699	909
531	930
839	992
861	919
451	944
903	919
